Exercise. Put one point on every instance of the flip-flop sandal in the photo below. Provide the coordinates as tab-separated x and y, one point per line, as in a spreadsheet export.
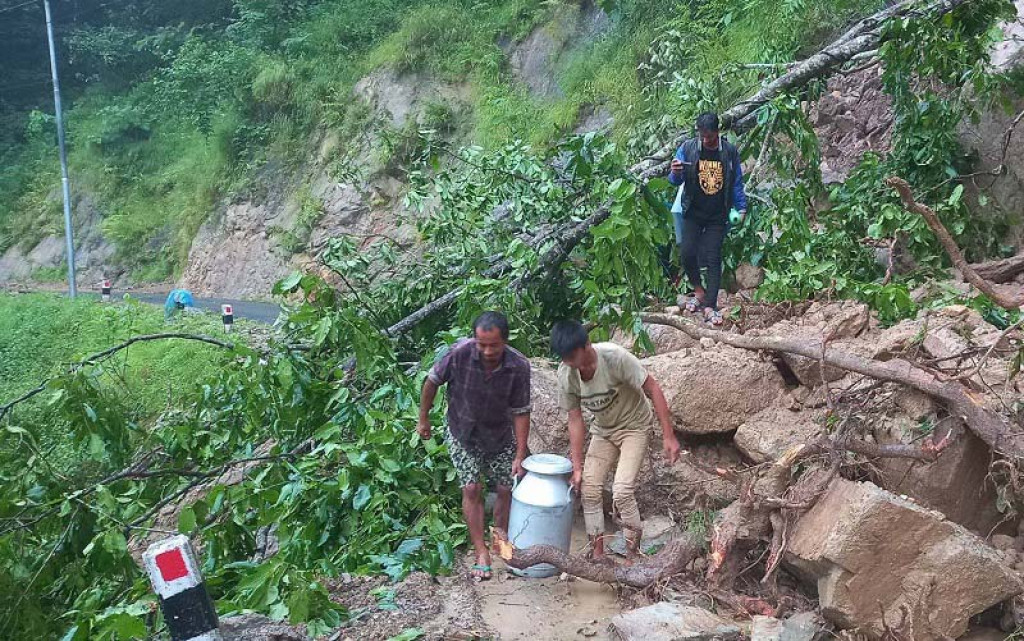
713	317
485	572
693	304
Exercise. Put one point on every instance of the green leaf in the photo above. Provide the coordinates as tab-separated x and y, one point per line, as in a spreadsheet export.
390	465
127	626
288	284
957	195
76	633
278	611
187	520
361	498
411	634
298	606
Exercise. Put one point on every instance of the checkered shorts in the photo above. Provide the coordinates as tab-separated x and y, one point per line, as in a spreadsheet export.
471	462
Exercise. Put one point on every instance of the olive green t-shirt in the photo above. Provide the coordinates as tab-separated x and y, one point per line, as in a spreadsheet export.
615	395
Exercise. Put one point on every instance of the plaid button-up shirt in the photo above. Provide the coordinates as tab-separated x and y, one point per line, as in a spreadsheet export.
481	404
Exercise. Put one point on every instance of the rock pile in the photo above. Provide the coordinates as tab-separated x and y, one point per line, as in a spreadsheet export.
911	545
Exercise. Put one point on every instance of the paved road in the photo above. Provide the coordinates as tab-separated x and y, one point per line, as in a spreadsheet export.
251	310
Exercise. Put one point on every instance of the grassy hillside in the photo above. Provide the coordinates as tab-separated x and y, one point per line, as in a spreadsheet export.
45	333
178	115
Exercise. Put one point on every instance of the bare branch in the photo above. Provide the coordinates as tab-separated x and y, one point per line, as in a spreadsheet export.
992	428
99	356
930	217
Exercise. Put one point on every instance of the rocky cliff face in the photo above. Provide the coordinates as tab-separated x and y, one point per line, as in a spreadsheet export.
93	252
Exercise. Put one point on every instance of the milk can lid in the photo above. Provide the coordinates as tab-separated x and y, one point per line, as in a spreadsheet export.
547	464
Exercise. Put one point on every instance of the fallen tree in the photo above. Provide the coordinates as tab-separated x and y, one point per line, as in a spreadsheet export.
991	427
864	36
1000	271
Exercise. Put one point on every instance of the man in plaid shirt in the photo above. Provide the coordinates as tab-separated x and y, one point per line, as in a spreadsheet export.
488	422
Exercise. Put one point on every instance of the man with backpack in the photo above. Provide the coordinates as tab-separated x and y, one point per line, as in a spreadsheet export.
708	167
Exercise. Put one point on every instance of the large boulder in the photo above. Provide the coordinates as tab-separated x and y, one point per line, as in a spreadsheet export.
716	390
873	554
673	622
804	626
956	484
839	323
956	337
549	427
685	485
767	435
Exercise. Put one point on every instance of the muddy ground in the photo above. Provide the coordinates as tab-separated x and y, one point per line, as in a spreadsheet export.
457	608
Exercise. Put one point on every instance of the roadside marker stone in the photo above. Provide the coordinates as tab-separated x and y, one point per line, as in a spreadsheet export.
187	607
227	314
105	290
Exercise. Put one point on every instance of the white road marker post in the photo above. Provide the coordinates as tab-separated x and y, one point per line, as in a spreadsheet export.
105	290
187	607
227	314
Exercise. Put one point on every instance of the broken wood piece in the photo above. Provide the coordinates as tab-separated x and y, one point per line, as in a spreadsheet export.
669	561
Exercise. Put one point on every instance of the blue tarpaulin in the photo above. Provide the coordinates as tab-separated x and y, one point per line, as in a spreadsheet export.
178	299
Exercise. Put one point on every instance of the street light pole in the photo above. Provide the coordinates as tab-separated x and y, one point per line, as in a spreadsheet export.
68	232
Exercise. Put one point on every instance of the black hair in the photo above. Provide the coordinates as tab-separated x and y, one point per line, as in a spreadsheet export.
708	121
568	336
492	320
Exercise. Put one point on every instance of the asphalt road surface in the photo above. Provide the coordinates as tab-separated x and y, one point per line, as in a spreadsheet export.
250	310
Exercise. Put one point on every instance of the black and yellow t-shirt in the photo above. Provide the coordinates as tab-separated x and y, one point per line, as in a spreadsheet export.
709	197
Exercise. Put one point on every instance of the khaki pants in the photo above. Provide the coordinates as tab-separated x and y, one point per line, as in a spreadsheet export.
627	448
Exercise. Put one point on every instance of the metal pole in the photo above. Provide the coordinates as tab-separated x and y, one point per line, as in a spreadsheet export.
68	232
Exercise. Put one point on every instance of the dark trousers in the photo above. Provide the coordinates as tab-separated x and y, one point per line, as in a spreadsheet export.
702	244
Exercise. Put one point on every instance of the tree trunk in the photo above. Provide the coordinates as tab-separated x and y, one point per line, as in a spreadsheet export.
1000	271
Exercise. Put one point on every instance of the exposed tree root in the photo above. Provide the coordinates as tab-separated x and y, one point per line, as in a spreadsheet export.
670	560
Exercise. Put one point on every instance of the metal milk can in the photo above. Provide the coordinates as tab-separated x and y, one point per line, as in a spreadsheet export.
542	508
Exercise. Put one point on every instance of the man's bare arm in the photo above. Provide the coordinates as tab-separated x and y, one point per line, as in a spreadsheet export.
521	422
577	435
668	433
426	403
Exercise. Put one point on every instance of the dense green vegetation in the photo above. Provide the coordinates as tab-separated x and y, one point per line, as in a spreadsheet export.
214	95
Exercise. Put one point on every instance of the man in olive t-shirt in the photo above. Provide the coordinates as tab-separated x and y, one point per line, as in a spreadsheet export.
613	385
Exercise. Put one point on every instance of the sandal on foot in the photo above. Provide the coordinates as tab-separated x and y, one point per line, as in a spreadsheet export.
692	305
481	572
713	317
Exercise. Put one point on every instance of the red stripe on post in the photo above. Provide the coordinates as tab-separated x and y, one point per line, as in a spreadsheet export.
171	565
